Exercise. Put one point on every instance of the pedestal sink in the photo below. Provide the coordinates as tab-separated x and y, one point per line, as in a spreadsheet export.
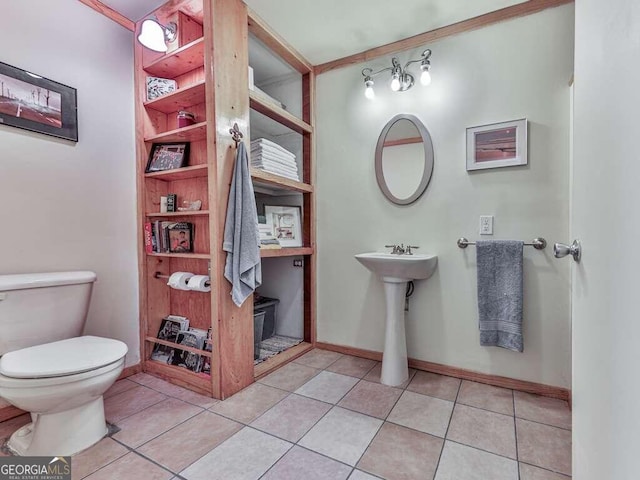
395	271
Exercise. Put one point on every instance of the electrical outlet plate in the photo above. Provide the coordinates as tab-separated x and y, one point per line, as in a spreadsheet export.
486	224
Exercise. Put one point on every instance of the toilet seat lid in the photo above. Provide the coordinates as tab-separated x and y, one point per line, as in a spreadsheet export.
65	357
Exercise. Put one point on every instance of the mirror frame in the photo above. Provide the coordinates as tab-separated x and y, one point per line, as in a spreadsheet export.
428	160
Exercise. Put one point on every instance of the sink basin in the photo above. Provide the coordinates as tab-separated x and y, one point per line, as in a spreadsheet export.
403	268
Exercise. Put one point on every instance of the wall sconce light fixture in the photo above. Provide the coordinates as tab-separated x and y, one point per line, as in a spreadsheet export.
401	79
155	36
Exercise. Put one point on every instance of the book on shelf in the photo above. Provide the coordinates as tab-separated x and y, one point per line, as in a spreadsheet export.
170	327
267	240
180	236
270	243
170	237
208	347
194	338
148	238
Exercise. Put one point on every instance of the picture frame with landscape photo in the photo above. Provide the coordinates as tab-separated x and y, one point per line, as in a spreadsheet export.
497	145
35	103
168	156
285	224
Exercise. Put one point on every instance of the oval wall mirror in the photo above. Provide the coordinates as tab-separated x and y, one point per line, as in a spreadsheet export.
404	159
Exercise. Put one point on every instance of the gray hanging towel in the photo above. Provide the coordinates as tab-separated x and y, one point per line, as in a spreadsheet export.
241	236
500	293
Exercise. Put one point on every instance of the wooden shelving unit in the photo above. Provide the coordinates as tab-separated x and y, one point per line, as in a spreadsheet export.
210	70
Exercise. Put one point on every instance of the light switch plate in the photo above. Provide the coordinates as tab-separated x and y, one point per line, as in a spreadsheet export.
486	224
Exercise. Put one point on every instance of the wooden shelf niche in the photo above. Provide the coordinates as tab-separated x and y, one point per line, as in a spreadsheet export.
281	111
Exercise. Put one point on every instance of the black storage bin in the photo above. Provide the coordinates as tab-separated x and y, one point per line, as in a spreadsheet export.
269	307
258	323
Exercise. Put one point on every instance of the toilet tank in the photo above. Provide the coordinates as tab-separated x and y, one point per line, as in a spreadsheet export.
38	308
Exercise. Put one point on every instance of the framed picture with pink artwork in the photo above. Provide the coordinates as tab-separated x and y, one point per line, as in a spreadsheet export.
285	224
497	145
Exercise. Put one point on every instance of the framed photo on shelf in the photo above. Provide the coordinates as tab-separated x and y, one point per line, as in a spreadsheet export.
285	224
167	156
35	103
497	145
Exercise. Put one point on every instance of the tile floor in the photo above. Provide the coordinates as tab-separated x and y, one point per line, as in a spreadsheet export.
326	417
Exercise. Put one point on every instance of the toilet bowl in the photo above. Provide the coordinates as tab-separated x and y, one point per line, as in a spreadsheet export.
61	384
48	368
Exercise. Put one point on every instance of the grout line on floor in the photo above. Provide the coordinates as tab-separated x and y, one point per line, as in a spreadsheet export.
444	440
545	469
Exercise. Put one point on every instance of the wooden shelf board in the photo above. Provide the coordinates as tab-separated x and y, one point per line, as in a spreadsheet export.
278	114
285	252
180	61
192	133
269	365
181	99
180	173
271	180
180	347
195	256
198	382
191	213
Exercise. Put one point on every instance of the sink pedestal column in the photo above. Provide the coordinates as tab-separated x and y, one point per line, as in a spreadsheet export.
395	369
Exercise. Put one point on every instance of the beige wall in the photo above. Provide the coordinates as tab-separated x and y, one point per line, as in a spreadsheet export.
504	72
69	206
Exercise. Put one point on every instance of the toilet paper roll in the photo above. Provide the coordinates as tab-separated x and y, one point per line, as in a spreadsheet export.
178	280
199	283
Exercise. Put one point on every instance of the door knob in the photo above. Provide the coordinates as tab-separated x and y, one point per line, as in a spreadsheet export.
561	250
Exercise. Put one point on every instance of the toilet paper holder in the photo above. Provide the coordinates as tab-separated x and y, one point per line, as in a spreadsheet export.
166	277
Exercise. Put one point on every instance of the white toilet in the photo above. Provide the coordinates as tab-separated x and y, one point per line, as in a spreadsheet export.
48	369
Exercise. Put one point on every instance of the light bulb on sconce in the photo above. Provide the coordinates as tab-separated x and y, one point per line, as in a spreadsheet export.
155	36
395	82
401	79
425	65
425	78
368	91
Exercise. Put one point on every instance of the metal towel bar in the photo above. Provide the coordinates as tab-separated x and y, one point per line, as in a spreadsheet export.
537	243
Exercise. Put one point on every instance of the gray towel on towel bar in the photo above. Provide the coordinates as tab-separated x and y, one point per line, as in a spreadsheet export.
500	293
241	236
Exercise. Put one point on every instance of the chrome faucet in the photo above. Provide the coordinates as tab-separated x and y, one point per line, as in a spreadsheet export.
396	249
401	249
408	249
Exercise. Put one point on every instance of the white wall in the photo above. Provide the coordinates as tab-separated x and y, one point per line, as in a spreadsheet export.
503	72
69	206
606	326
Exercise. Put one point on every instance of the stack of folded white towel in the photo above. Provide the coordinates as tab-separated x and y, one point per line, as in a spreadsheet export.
272	158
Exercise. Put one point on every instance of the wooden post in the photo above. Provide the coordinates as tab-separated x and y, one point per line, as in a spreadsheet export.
228	97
